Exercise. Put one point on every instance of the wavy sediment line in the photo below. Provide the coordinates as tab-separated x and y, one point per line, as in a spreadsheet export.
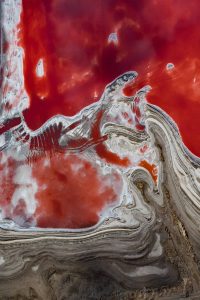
181	169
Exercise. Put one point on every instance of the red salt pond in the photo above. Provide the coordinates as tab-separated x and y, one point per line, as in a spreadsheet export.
72	37
79	46
72	192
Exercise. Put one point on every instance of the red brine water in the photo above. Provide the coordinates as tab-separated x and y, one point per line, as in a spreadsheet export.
71	50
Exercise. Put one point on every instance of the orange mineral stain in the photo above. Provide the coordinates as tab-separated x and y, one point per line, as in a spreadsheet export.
151	168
